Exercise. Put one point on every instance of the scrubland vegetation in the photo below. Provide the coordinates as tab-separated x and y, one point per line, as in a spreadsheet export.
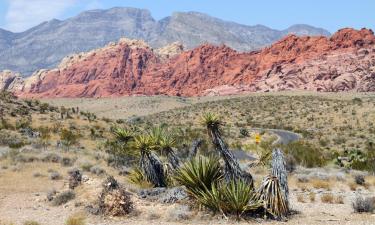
84	168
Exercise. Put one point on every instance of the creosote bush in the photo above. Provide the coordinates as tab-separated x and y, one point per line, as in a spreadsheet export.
363	204
306	154
63	198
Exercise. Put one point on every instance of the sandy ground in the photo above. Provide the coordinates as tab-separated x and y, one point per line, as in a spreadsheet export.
23	197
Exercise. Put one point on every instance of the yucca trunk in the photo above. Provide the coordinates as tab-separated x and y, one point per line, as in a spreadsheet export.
232	170
152	167
273	198
279	171
194	148
173	159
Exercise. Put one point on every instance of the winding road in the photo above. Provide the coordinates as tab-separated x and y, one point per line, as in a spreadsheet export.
284	136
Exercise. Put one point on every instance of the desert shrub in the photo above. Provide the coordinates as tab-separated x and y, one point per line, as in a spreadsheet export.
51	194
290	163
75	178
54	175
44	107
114	200
306	154
300	198
31	222
68	138
37	174
75	220
363	204
11	140
86	166
45	135
357	159
97	170
312	196
359	179
51	157
244	132
66	161
23	123
4	124
339	199
321	184
63	198
327	198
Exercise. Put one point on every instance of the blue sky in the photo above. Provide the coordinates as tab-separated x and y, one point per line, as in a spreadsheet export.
19	15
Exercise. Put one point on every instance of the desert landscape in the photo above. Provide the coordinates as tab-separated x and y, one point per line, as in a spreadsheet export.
112	116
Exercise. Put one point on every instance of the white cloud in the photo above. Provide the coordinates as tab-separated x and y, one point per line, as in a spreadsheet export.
23	14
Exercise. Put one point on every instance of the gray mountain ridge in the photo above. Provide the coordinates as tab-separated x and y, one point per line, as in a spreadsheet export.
44	45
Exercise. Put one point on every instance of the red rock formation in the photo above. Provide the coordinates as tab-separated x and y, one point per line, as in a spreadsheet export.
341	63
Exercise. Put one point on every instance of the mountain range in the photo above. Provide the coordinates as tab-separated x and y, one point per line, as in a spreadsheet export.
343	62
45	45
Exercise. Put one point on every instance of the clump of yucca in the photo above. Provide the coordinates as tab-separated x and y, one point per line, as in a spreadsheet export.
203	180
273	198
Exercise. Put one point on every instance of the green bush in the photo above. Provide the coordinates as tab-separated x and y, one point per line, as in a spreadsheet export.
68	137
306	154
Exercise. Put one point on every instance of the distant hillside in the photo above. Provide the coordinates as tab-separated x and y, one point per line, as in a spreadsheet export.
45	45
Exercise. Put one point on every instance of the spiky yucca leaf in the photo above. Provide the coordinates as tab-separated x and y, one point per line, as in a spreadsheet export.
271	195
149	162
199	174
211	120
144	143
123	135
238	197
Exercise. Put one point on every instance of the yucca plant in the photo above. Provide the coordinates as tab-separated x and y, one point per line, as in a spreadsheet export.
232	170
271	195
122	135
238	197
202	178
150	163
199	174
164	142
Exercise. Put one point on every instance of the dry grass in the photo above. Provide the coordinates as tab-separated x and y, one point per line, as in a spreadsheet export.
301	198
353	186
327	198
321	184
76	219
31	222
339	199
312	196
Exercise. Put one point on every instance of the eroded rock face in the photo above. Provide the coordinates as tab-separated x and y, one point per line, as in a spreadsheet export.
10	81
344	62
